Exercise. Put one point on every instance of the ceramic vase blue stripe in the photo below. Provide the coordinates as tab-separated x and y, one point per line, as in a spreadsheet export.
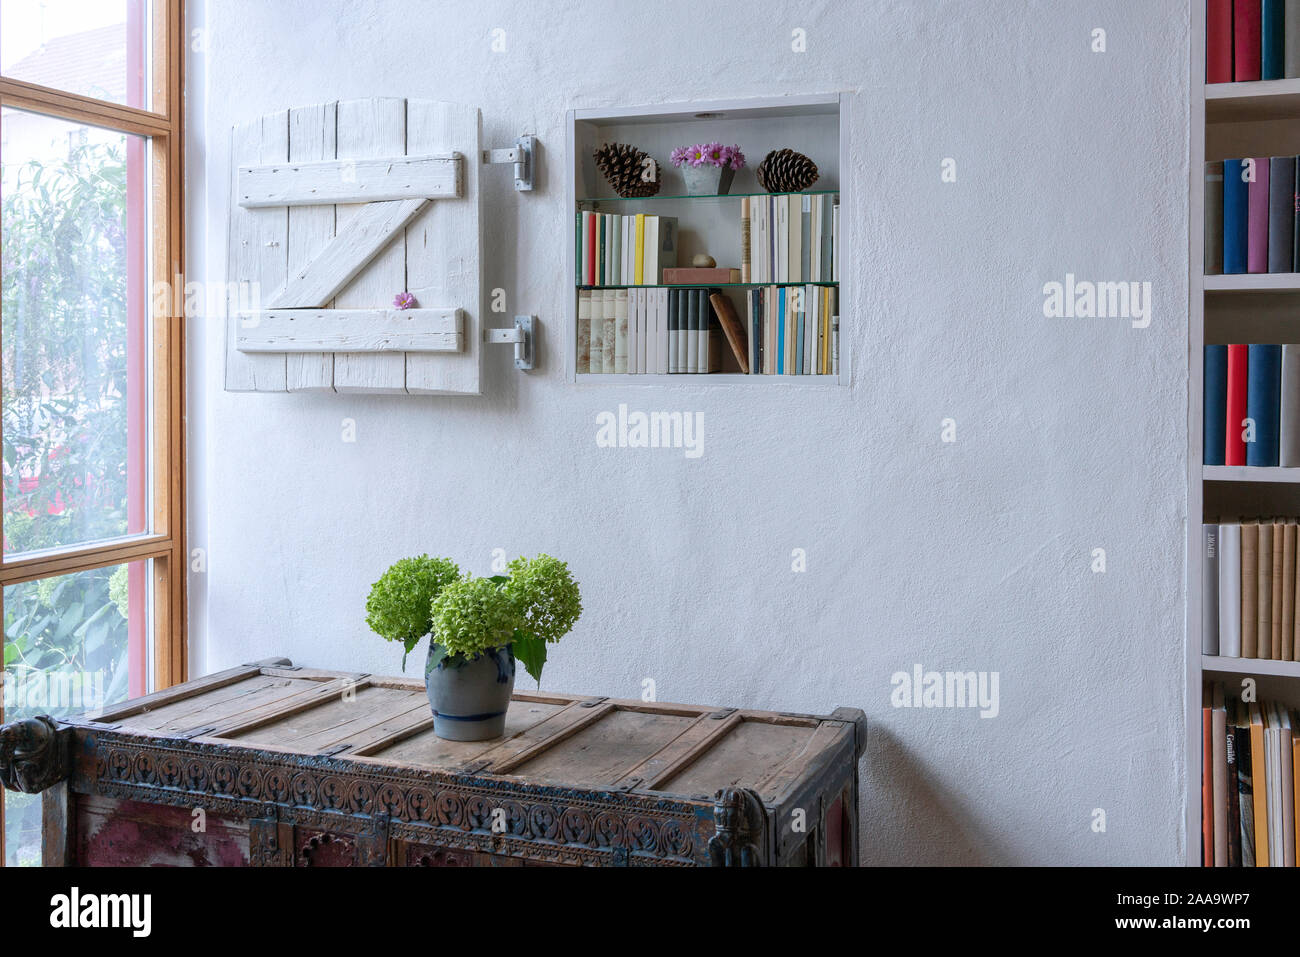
469	698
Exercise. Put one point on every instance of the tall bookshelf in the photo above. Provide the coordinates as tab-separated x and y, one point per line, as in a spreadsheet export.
811	124
1230	120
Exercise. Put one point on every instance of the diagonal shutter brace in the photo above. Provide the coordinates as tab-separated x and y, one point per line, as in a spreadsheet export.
521	155
521	335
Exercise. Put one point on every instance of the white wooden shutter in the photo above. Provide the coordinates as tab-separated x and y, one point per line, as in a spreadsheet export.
336	209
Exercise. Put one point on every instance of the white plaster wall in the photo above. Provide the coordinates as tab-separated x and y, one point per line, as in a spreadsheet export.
966	556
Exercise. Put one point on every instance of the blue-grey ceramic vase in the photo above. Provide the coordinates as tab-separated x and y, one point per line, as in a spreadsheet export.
469	698
707	180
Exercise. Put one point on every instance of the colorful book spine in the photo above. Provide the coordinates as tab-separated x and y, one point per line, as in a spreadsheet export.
1290	42
1295	219
1235	215
1216	403
1257	217
1218	41
1272	40
1245	785
1264	388
1249	590
744	240
780	331
1245	40
1235	404
1281	213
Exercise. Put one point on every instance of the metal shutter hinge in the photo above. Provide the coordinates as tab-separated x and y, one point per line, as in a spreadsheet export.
521	155
522	336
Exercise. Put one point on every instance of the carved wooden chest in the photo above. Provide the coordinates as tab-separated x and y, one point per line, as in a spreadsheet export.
273	765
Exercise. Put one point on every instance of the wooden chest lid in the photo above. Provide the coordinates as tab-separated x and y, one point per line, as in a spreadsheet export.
688	751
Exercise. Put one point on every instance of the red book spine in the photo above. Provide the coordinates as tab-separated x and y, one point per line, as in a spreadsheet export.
1245	40
1218	41
591	250
1207	789
1235	448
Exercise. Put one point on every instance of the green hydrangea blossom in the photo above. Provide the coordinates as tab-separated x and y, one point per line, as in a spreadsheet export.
398	608
546	596
472	615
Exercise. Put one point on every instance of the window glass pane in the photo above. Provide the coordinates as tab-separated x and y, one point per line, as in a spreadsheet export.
90	47
74	371
73	643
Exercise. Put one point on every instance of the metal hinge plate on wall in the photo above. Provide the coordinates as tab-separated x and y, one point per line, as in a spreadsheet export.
521	155
522	335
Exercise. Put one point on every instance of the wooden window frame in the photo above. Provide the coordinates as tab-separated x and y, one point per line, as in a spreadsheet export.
165	546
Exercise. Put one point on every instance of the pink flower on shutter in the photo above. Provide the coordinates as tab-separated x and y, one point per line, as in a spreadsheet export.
403	300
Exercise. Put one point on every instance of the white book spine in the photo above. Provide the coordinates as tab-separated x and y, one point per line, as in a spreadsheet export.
1210	589
618	249
642	321
706	316
835	243
629	250
674	366
620	331
584	332
683	332
1229	591
661	328
835	345
652	332
815	237
633	327
650	252
692	333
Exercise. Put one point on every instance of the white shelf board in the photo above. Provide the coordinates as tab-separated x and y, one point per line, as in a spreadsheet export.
1249	473
1254	282
1250	666
1252	101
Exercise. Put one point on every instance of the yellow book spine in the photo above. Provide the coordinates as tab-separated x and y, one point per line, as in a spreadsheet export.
1259	785
640	248
826	331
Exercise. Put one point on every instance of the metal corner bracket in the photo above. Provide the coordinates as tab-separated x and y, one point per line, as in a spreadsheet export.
522	335
522	155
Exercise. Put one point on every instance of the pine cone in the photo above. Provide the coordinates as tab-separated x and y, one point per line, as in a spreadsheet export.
624	167
785	171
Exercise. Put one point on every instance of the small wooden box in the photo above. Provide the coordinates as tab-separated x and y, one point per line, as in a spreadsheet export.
297	767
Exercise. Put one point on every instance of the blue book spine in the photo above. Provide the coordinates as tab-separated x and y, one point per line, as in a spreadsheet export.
1216	403
1272	33
780	331
1234	217
1263	402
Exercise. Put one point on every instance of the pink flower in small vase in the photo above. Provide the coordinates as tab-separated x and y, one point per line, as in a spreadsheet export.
403	300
